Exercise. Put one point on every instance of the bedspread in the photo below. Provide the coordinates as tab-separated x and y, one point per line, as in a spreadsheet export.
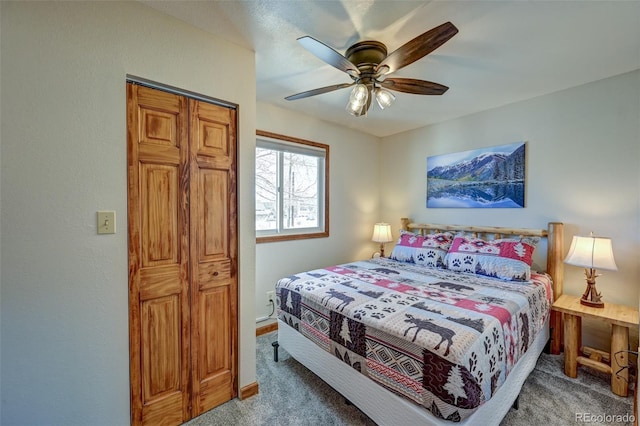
445	340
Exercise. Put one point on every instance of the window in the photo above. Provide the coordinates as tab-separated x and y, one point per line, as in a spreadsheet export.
292	199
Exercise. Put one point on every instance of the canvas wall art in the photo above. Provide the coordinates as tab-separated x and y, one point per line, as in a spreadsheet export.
491	177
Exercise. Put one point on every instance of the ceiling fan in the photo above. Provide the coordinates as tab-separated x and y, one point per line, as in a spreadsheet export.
368	65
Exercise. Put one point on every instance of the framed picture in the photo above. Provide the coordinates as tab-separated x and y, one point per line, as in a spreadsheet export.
491	177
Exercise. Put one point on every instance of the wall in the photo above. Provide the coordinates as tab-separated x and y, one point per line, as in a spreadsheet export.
1	404
583	153
354	204
64	313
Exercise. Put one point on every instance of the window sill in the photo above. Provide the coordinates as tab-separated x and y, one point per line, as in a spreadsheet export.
290	237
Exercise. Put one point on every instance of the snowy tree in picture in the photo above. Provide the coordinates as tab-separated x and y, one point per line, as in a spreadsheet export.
289	302
344	331
455	384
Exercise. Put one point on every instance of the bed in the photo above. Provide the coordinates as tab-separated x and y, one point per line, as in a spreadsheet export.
443	332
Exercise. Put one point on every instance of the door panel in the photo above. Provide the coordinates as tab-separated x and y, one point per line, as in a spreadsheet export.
164	412
213	131
212	274
158	282
159	210
160	347
157	127
214	363
159	322
215	306
213	255
213	215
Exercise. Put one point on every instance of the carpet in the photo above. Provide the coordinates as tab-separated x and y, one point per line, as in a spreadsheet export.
291	395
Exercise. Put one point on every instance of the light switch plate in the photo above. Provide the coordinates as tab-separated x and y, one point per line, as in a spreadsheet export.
106	222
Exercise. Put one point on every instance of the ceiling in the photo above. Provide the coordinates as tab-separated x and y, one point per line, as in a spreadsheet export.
505	51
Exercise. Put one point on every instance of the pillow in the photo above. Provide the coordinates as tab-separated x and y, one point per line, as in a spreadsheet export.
508	259
427	250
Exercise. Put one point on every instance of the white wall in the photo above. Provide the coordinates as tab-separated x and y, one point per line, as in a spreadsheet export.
0	221
354	204
64	313
583	157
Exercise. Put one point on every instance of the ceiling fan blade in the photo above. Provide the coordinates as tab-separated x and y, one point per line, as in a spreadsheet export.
411	85
318	91
417	48
328	55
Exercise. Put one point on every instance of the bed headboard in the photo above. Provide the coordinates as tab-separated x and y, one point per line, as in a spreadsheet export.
554	235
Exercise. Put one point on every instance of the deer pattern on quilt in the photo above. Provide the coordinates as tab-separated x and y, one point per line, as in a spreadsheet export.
444	340
427	324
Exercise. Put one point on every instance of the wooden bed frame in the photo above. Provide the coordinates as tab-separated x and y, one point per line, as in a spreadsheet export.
383	405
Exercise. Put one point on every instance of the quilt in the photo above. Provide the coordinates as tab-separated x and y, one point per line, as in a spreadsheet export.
442	339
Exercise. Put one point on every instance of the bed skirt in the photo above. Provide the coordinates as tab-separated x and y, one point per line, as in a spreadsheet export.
385	407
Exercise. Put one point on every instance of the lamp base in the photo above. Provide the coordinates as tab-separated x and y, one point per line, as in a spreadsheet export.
591	297
587	302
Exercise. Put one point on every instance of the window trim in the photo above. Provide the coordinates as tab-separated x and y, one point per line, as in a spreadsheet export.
301	235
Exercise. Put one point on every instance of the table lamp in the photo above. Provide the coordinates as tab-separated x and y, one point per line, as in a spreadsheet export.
382	234
591	253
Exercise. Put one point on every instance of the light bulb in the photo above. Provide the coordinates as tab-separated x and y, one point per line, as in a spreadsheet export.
356	109
384	98
359	95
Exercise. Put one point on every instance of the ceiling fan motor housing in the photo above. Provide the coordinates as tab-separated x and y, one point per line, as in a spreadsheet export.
366	54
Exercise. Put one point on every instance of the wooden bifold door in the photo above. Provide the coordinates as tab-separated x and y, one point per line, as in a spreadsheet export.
182	255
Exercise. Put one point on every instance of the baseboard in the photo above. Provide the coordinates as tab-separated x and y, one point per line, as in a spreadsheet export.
266	329
249	390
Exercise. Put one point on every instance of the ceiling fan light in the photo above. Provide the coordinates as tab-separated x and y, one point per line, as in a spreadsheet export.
359	95
384	98
356	109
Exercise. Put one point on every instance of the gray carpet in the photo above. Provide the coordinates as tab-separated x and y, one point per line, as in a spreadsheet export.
290	395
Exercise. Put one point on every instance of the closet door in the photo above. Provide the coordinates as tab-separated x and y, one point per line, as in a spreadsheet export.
182	255
213	254
158	220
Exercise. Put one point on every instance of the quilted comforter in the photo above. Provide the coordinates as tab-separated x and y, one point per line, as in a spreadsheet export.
445	340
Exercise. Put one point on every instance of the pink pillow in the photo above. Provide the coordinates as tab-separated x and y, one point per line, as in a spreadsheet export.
428	250
507	259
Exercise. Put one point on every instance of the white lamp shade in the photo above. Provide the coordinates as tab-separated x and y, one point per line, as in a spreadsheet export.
382	233
591	252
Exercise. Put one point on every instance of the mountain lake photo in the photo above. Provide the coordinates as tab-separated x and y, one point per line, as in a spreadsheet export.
491	177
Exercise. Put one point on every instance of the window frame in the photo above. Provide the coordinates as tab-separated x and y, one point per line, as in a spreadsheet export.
322	230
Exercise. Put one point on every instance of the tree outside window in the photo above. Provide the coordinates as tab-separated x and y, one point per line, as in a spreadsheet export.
291	188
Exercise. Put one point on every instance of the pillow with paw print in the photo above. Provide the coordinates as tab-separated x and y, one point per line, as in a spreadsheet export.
507	259
427	250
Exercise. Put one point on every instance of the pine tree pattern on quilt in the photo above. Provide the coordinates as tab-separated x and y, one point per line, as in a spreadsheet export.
442	339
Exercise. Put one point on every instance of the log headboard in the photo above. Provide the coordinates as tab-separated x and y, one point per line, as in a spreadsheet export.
553	234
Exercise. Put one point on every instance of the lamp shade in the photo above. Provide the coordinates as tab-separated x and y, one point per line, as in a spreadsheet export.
382	233
359	94
358	100
591	252
384	98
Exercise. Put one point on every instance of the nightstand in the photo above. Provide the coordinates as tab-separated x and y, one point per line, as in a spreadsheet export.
620	317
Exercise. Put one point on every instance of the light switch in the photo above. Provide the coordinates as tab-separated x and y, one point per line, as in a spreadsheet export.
107	222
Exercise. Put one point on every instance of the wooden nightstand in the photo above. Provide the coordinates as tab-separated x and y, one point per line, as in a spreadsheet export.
620	317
